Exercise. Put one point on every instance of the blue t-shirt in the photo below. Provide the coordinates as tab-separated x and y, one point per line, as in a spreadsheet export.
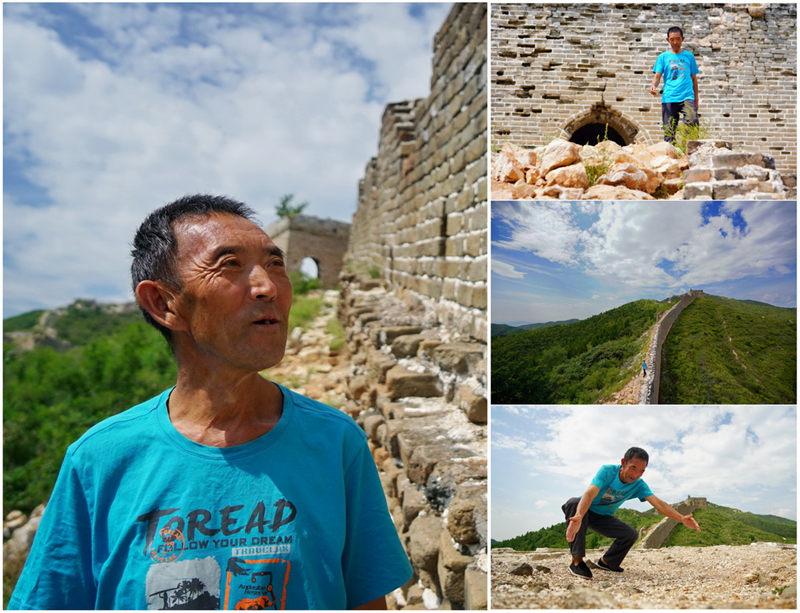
143	518
676	70
614	492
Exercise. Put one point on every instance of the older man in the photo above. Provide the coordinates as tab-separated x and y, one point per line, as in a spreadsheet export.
227	490
612	485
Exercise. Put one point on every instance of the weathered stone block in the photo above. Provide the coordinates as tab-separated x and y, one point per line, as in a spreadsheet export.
424	536
475	406
414	502
697	190
697	175
401	383
475	593
451	565
461	358
378	363
733	189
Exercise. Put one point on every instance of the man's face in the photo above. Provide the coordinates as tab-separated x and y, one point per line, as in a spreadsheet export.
675	41
631	470
235	297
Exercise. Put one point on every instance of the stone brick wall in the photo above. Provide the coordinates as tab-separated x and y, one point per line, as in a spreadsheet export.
658	534
323	240
422	207
413	305
557	67
651	383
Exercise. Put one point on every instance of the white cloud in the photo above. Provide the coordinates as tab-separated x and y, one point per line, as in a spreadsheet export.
506	270
257	102
738	456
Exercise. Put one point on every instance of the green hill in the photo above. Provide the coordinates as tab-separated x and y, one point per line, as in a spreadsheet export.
719	526
501	329
51	397
727	526
572	363
554	536
724	351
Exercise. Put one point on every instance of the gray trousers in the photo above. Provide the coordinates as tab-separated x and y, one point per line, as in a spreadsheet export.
607	525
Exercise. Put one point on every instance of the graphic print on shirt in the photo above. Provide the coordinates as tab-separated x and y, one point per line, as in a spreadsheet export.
676	67
191	584
253	583
188	550
610	496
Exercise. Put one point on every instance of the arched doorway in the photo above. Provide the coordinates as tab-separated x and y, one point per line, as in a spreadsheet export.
310	268
600	123
593	133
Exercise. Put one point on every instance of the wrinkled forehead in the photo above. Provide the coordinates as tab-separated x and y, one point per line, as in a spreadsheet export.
206	232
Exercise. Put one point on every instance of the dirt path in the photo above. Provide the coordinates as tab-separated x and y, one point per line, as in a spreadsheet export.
632	391
310	367
761	575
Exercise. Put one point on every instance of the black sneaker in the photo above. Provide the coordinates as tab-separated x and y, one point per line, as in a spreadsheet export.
580	570
601	564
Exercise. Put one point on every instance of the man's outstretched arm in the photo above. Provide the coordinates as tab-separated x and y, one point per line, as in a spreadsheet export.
574	523
665	509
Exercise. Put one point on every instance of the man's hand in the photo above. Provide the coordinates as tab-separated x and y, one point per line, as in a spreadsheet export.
690	522
653	90
573	525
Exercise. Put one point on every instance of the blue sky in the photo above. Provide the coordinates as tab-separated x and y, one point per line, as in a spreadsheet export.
557	261
743	457
111	110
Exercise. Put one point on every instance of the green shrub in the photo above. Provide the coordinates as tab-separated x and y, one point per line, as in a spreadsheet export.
303	283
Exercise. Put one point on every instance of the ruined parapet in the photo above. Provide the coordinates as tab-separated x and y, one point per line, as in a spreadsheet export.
658	534
420	224
649	394
717	172
322	240
565	69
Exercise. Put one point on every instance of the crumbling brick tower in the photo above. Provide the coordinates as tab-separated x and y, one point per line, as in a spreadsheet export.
572	69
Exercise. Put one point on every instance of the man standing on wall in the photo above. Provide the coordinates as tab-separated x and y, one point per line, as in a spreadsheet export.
612	485
679	97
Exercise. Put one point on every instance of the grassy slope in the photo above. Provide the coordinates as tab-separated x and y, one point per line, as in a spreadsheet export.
698	361
726	526
720	526
575	363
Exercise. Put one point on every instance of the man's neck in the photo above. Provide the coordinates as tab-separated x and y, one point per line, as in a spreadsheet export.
224	409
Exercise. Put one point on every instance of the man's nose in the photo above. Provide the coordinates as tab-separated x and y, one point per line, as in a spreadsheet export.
261	284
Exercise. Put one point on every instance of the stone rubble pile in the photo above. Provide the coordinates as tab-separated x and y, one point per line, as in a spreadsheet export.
755	576
562	170
717	172
419	393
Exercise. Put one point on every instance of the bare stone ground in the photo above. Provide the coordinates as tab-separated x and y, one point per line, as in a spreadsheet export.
761	575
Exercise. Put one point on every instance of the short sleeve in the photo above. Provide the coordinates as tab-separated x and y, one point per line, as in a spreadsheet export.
644	491
604	477
58	571
373	561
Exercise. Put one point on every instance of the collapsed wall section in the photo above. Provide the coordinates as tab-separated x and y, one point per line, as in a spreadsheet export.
660	533
557	67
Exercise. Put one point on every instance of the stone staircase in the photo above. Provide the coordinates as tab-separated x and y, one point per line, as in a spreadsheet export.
419	393
717	172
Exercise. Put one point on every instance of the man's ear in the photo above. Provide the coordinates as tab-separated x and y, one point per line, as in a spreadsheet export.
159	301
